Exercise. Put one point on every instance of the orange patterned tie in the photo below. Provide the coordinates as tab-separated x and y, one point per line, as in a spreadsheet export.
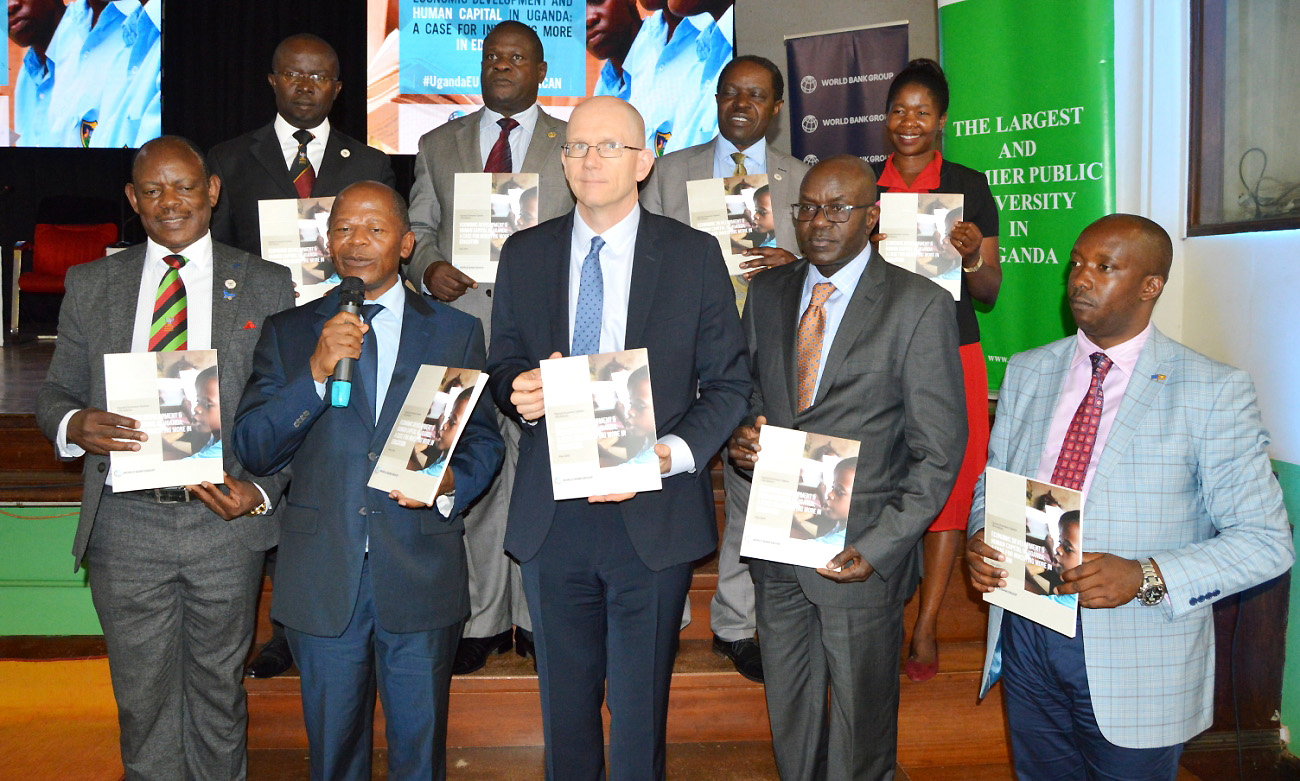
808	342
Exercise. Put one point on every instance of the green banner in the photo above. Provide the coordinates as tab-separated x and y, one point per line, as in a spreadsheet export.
1032	106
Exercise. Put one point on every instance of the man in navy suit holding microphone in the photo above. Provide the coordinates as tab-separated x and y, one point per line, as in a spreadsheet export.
369	585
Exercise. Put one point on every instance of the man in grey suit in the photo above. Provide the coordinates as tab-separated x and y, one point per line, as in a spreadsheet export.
1180	509
174	572
873	357
509	134
750	95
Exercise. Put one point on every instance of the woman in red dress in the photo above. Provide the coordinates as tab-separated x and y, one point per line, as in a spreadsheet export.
917	112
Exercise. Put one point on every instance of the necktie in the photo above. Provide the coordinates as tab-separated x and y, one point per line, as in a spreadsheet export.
1076	451
808	342
739	157
369	363
302	174
591	303
169	329
499	161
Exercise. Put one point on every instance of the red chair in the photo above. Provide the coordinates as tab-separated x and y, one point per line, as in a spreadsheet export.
55	249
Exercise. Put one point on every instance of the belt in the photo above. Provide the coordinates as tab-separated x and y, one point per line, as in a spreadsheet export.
171	495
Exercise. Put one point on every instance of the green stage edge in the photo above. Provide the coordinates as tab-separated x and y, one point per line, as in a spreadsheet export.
39	592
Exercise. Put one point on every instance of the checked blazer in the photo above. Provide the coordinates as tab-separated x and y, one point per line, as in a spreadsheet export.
1185	479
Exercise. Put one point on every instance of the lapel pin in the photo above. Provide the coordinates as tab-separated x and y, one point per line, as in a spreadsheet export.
250	326
1158	377
345	152
230	284
226	294
551	134
776	177
236	265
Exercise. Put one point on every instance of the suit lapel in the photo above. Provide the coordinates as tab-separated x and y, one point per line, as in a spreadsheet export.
871	285
788	326
417	335
330	164
558	259
1143	389
226	299
124	286
545	143
1050	379
700	165
645	280
471	156
266	150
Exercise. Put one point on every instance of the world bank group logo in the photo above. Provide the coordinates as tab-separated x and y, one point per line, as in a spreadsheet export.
811	159
808	84
809	124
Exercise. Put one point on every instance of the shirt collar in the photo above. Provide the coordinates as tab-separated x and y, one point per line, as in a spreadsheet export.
393	299
527	118
723	150
845	280
284	131
199	252
926	181
1124	355
620	234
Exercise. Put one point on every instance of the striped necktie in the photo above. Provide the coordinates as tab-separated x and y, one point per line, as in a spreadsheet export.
169	329
499	160
1076	451
302	174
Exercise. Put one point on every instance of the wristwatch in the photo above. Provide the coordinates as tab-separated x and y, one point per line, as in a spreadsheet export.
1152	591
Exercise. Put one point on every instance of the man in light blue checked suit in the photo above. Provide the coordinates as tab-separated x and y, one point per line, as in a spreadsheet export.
1180	509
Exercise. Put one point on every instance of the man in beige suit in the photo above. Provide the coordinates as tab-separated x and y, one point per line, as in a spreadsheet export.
750	95
509	134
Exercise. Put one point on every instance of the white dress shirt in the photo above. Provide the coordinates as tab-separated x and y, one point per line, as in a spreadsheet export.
489	131
1124	357
616	258
724	165
289	145
845	281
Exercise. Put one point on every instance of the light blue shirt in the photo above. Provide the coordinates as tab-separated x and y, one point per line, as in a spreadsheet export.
724	165
520	137
210	450
845	281
388	335
663	72
131	107
697	120
85	57
613	82
32	101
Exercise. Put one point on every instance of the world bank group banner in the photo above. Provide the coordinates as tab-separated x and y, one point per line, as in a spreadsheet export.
1032	106
838	84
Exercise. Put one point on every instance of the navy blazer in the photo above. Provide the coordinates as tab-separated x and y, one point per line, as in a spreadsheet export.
417	557
683	311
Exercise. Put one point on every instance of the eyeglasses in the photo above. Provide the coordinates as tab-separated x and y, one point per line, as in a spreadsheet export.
604	149
835	212
315	79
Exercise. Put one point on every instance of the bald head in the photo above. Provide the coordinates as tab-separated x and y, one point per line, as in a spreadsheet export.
610	110
1150	243
168	145
851	170
604	180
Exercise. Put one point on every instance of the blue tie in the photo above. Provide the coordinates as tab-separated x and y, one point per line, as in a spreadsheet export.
591	303
369	363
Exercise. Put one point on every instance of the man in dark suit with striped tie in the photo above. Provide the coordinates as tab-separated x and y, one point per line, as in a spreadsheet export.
174	572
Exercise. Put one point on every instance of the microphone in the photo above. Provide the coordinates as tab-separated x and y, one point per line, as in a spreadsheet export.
352	292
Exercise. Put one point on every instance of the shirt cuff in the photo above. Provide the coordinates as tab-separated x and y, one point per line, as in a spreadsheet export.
682	459
67	449
446	503
265	499
320	388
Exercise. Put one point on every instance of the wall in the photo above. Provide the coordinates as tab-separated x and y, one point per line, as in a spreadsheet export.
761	27
1231	297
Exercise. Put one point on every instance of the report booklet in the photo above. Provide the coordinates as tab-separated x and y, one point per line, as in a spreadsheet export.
1039	527
487	209
917	226
295	233
424	436
600	423
176	397
799	504
737	210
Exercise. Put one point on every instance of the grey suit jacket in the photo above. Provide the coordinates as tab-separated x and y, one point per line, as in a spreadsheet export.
454	148
893	381
664	191
98	317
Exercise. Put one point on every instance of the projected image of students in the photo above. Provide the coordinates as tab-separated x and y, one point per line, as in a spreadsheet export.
207	412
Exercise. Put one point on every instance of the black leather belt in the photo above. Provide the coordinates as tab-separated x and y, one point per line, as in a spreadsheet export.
172	495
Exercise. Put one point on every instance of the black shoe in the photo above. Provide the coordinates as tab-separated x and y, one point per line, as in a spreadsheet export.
743	654
524	644
274	659
473	652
